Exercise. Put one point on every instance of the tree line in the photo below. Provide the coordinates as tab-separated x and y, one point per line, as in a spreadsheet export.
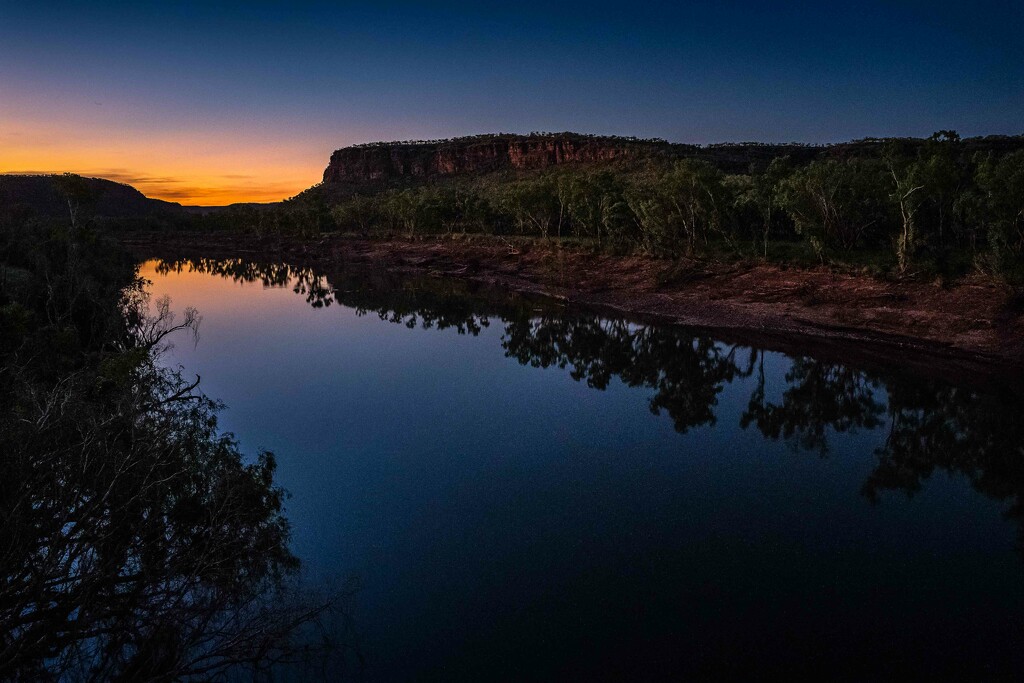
493	137
905	208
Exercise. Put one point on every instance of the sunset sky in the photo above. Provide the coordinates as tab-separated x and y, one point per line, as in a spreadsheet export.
213	103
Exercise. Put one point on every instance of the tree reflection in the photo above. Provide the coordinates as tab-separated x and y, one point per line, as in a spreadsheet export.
687	373
819	398
931	425
424	302
977	435
926	424
303	281
137	543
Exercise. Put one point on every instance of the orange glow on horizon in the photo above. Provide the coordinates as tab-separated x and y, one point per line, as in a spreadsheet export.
214	167
206	185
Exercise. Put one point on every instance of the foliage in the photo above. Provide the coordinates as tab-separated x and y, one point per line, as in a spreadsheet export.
996	208
138	543
927	204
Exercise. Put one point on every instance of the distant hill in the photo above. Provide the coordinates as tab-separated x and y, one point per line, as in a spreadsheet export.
46	196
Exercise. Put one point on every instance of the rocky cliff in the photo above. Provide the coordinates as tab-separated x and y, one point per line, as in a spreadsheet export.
383	162
400	163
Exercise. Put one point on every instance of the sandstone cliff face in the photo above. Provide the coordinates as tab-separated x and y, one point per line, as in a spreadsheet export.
398	163
381	163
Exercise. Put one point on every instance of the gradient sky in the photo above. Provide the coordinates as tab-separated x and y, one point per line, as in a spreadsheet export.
212	103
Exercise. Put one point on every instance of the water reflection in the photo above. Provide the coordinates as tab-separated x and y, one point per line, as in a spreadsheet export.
819	397
145	567
934	425
136	542
303	281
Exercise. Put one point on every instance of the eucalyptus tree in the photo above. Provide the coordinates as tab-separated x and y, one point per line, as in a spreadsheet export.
945	175
359	212
533	205
997	204
836	202
907	195
761	191
595	203
680	208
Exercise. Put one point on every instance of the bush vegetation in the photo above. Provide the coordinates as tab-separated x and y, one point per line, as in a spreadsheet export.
929	208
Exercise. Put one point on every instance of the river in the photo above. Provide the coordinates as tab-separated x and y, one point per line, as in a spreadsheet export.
526	493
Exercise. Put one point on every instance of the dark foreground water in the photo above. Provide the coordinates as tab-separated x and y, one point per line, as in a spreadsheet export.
528	495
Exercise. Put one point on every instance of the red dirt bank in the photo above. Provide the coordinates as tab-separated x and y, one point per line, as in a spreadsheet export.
977	318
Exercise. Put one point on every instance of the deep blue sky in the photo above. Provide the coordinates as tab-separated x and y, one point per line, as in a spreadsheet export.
235	91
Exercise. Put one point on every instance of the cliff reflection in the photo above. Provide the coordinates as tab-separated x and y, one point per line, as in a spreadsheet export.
925	425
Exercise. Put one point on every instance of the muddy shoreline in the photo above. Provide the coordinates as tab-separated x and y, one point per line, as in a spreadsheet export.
968	330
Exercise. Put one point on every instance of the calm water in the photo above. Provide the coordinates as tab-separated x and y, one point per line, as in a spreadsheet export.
526	495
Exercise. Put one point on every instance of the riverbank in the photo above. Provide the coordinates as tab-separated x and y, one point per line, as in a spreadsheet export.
978	319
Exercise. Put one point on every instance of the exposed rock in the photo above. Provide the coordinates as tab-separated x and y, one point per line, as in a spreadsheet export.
392	161
400	163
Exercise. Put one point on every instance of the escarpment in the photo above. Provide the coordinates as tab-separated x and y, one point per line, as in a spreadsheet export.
383	162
